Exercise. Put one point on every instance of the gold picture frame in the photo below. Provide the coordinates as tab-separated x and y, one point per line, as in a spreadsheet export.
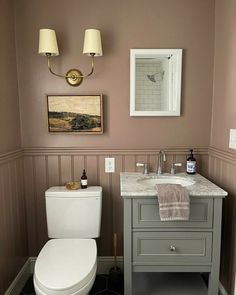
75	114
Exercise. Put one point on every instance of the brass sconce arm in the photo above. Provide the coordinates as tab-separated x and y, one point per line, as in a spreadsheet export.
92	48
74	77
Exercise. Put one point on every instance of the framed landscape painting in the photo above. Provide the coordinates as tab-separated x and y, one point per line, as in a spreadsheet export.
77	114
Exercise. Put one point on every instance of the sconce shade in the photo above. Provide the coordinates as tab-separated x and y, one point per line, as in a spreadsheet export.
92	42
48	42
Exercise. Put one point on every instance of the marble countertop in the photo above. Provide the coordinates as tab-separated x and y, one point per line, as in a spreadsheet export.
202	187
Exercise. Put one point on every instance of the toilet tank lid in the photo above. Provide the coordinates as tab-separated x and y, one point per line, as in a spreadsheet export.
62	191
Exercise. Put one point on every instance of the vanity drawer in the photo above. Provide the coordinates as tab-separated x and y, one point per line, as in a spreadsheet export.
174	248
146	214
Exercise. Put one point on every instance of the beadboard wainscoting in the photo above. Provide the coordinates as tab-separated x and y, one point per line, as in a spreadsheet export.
13	230
222	171
45	167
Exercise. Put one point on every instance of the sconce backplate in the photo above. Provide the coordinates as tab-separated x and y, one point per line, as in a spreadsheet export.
74	77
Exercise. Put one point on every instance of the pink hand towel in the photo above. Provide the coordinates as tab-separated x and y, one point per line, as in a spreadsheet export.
173	202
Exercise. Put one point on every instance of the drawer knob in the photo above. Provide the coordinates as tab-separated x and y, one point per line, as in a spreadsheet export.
172	248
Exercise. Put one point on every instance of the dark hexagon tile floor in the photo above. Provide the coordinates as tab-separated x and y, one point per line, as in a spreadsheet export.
102	286
28	288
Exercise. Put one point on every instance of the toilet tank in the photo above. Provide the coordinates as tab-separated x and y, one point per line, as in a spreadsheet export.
73	213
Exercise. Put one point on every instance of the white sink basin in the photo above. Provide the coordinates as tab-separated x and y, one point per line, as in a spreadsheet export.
153	180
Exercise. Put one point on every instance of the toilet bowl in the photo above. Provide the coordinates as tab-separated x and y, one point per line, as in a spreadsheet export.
66	267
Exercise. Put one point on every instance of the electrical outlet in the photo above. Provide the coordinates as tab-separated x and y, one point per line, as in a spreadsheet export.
232	139
109	165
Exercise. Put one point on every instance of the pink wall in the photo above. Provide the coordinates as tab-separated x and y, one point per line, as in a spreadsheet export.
222	165
222	171
224	106
13	232
187	24
9	106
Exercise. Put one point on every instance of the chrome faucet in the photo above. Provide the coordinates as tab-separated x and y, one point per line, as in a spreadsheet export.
145	167
161	159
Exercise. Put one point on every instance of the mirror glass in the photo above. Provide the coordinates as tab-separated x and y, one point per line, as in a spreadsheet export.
155	82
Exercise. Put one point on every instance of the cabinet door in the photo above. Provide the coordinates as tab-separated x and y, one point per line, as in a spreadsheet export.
146	214
172	248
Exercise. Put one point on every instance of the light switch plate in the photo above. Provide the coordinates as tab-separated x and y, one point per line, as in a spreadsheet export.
232	139
109	165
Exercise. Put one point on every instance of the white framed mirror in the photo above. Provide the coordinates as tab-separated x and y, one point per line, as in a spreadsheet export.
155	82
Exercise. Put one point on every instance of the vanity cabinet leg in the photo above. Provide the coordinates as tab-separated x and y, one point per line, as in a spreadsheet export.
128	283
128	247
213	287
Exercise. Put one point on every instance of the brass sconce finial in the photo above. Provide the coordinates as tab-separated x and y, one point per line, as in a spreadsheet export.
92	47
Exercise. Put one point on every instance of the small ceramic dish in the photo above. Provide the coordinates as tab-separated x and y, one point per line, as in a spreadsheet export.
73	185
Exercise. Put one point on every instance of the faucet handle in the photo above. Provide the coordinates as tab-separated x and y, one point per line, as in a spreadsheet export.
172	171
177	164
139	164
145	165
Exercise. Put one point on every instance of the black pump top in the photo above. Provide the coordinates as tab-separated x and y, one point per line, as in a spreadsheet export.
191	157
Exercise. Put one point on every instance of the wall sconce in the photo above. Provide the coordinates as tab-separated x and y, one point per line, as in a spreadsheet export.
92	47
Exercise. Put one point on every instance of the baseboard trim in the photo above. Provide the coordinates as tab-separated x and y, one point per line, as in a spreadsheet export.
222	290
20	280
105	263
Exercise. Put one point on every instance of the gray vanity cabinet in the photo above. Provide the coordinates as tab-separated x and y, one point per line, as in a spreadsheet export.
151	245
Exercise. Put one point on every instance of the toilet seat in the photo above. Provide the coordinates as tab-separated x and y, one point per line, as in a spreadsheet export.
65	266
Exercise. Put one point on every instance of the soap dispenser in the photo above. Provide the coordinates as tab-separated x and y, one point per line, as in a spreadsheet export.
191	164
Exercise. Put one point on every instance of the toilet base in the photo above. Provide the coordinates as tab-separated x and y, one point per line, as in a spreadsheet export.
84	291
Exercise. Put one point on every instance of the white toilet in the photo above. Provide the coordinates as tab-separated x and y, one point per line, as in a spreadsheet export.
67	263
